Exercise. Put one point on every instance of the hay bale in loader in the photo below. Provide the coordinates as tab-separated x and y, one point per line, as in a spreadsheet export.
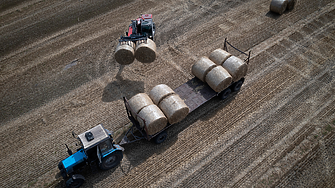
218	79
154	118
236	67
219	56
159	92
202	67
145	51
124	53
138	102
174	108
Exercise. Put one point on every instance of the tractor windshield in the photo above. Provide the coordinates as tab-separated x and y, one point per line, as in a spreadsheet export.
106	147
147	27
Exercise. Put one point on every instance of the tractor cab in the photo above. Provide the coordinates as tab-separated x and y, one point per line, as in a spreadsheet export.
97	149
142	27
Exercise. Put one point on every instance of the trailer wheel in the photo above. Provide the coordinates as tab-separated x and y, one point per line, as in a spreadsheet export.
160	138
111	161
75	181
225	93
237	85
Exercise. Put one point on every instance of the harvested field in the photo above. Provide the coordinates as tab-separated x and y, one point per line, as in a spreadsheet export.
58	74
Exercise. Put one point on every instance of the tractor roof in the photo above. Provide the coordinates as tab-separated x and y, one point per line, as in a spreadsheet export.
93	136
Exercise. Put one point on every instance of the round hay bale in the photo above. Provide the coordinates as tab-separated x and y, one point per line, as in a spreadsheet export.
154	119
290	4
159	92
138	102
218	79
174	108
124	53
202	67
278	6
236	67
219	56
145	51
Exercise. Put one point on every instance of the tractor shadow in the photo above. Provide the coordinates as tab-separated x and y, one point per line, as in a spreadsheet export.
121	87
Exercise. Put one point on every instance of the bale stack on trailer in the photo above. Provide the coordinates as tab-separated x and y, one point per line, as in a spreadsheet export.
169	102
201	68
236	67
147	113
218	79
220	69
138	102
153	118
219	56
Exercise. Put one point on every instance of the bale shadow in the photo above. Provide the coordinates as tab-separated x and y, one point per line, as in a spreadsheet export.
275	16
121	88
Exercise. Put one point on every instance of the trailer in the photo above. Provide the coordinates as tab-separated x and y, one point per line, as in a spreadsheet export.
194	93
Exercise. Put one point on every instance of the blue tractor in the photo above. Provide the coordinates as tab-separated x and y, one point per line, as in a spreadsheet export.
97	150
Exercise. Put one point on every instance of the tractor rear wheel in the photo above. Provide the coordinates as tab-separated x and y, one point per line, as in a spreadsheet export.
75	181
111	161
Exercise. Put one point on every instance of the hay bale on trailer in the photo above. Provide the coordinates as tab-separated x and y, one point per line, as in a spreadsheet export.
154	118
159	92
138	102
278	6
174	108
145	51
124	53
202	67
236	67
219	56
218	79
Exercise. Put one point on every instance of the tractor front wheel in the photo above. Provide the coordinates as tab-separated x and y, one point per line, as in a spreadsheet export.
75	181
111	161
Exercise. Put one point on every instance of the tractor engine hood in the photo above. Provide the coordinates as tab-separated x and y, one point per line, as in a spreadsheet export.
74	160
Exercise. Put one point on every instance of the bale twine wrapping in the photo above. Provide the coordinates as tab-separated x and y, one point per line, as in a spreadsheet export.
174	108
278	6
124	53
154	118
236	67
202	67
219	56
218	79
290	4
159	92
145	51
138	102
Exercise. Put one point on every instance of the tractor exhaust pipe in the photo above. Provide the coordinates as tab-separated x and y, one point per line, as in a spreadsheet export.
68	150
